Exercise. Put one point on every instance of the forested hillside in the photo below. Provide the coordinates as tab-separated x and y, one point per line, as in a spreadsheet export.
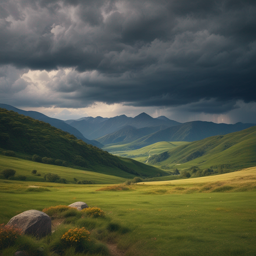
44	143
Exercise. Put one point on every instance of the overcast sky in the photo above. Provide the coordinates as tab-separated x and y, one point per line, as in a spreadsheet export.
188	60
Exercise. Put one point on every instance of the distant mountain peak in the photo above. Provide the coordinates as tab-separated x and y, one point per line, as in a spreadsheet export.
143	115
163	118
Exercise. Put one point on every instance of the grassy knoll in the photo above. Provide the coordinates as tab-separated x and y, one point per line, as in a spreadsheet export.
163	218
144	153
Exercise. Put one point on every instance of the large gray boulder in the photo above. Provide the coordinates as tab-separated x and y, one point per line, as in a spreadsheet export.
79	205
32	222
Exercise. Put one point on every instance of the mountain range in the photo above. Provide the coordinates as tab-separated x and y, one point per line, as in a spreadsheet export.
134	138
94	128
134	133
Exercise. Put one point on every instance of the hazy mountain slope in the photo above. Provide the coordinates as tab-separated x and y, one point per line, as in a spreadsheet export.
94	128
29	136
234	150
128	134
54	122
145	120
191	131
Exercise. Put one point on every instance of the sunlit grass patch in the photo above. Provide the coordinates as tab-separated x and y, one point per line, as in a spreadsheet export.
223	189
192	190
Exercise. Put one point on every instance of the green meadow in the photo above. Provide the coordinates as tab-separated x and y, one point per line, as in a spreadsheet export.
143	154
214	215
25	167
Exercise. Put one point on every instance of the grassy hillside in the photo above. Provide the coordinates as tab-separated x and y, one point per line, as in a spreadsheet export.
24	167
232	151
144	153
161	219
48	144
53	122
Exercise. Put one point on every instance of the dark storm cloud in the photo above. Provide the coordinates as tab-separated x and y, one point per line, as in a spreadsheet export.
142	53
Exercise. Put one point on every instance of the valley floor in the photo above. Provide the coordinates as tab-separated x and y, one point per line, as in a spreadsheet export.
170	218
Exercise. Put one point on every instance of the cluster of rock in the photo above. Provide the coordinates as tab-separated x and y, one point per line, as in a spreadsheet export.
37	223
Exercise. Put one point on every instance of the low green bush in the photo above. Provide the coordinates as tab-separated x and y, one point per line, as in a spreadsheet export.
37	158
37	189
34	172
7	173
9	153
128	182
21	177
136	180
51	177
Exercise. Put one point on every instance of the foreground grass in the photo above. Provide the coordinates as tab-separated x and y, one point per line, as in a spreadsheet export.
164	218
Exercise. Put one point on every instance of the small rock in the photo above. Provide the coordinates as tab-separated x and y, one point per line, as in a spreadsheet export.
32	222
79	205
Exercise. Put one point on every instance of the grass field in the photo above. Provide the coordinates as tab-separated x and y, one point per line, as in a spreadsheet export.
214	215
142	154
25	167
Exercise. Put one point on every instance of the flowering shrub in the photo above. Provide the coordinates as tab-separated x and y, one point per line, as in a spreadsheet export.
8	235
56	210
76	236
94	212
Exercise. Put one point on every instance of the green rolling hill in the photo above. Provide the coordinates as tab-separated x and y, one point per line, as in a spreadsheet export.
33	139
143	154
232	152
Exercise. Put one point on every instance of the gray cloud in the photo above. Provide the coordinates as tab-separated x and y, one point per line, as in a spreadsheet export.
200	54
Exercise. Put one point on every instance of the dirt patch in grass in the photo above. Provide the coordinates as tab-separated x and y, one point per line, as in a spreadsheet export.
56	223
114	251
